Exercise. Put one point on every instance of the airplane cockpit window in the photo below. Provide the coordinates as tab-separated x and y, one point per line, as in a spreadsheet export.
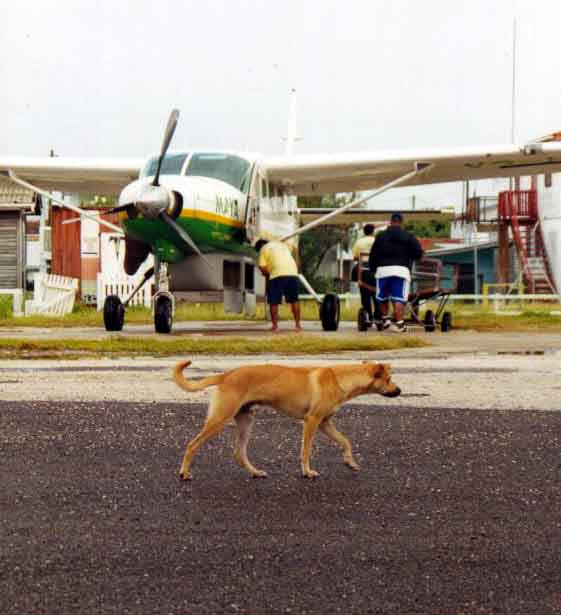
226	167
172	165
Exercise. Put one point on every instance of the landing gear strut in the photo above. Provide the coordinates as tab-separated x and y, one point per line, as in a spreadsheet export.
164	303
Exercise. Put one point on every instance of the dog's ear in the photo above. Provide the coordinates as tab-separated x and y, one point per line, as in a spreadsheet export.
380	370
377	370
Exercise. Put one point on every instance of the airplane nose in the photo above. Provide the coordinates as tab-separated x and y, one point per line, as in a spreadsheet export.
152	201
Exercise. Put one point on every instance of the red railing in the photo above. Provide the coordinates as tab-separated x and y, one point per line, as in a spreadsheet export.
518	204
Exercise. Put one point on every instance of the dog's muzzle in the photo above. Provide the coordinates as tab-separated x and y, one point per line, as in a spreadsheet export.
394	393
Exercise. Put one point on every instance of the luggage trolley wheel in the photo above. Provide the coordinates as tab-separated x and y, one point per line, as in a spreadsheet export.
113	313
329	312
429	321
446	322
362	320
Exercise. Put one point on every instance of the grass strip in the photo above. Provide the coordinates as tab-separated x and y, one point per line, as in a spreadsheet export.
148	346
521	317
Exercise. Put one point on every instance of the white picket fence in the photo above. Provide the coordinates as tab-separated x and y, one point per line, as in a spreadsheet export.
122	285
53	295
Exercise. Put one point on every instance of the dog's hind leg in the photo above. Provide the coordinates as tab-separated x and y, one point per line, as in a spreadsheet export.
334	434
222	409
244	422
311	424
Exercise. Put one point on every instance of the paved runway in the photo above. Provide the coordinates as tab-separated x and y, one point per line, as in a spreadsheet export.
455	511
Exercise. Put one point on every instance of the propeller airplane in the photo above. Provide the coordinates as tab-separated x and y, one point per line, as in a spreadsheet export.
201	212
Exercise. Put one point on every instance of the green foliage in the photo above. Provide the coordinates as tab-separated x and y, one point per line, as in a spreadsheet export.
315	244
429	228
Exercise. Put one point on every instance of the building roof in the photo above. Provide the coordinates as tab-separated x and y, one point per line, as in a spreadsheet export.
12	194
462	247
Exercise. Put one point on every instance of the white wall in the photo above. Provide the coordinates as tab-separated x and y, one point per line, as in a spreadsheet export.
549	204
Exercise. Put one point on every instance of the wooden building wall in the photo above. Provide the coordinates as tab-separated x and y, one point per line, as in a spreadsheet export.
65	243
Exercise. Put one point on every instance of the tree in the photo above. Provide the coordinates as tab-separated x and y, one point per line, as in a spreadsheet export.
429	228
314	244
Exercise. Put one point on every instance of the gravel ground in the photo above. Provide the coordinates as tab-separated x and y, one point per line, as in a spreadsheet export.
455	511
431	379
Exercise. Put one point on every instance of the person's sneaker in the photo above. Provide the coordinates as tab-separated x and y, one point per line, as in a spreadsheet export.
386	324
399	327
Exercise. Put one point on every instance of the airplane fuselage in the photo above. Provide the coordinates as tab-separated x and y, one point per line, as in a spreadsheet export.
222	200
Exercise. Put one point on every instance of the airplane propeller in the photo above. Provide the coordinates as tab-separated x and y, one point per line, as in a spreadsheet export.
153	200
168	135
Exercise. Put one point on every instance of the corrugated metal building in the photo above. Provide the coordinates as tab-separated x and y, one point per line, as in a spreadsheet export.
15	202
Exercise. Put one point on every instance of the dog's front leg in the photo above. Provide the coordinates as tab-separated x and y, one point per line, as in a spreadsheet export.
311	424
332	433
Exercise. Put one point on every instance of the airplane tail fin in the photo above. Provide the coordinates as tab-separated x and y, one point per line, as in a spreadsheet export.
198	385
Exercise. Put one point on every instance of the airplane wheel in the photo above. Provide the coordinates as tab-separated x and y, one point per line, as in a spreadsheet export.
362	320
429	321
446	323
329	312
113	313
162	315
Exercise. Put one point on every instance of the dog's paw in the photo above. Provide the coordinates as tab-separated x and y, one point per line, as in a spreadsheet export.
310	474
352	464
259	474
185	475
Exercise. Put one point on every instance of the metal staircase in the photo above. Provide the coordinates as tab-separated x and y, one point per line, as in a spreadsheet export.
519	209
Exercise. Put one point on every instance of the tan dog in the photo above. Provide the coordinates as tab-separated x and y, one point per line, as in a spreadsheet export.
311	394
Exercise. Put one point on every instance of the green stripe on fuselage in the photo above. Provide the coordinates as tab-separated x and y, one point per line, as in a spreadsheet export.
209	236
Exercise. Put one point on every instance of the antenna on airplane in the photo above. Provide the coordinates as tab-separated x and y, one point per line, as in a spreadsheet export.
291	137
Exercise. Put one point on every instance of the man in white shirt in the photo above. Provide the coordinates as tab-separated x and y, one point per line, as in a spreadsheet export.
363	246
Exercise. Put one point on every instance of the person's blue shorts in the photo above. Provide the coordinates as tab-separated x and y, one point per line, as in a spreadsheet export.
392	288
286	285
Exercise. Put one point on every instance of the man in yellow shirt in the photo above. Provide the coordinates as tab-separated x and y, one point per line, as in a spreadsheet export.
279	268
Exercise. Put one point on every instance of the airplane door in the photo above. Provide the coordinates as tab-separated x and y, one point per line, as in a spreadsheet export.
257	204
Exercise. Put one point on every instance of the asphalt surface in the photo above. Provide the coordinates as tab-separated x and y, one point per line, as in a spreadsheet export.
455	511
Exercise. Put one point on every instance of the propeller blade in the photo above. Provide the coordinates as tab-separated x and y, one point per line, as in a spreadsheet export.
183	234
170	129
115	210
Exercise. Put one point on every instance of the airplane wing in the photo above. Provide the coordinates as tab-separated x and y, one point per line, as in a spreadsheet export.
107	176
351	172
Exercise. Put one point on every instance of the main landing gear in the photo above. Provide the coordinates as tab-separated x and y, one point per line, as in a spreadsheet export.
329	307
163	302
330	312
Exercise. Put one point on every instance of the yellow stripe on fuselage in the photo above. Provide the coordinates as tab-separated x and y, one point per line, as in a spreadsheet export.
210	217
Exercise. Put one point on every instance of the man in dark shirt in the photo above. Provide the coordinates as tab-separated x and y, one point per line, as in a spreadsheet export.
392	257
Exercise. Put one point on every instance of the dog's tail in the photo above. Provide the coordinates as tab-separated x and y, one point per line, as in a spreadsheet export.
197	385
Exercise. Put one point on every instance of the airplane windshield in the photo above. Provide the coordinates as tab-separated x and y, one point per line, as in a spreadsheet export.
228	168
172	165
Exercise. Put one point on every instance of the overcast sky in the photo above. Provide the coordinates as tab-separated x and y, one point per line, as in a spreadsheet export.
98	78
